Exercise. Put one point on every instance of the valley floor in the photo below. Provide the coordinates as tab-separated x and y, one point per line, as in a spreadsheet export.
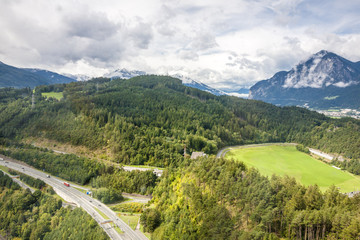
284	159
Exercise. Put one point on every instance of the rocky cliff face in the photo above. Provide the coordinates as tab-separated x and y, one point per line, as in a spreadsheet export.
322	81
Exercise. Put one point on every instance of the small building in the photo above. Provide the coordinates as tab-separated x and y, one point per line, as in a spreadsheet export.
352	194
195	155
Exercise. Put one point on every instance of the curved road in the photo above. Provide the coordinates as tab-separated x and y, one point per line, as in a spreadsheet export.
82	200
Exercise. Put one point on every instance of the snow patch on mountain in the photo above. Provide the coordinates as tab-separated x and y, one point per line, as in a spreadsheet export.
199	85
310	74
124	74
78	77
312	82
343	85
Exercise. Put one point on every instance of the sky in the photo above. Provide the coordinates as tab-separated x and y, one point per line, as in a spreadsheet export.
227	44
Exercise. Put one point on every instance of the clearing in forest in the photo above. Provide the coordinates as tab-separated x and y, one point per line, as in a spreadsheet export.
286	160
57	95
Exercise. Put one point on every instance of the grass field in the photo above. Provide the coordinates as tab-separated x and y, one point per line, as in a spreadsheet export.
102	214
286	160
57	95
131	220
5	169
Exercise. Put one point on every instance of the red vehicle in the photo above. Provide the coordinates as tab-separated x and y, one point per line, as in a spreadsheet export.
66	184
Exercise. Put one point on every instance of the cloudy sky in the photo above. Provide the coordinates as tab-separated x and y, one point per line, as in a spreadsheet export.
227	44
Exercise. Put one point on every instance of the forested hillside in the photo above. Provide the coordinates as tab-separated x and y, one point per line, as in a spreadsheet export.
148	119
84	171
39	215
220	199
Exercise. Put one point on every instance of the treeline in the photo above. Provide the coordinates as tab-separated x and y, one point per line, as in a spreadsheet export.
66	166
82	171
11	94
136	181
38	215
7	182
149	120
133	207
30	181
302	148
351	166
220	199
107	195
74	224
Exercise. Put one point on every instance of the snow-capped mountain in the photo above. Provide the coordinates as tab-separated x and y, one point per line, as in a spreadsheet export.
78	77
124	74
322	81
323	69
194	84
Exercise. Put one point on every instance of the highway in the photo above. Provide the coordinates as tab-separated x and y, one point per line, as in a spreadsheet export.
82	200
21	184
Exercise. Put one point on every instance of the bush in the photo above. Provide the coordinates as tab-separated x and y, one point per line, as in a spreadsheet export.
129	207
302	148
150	219
106	195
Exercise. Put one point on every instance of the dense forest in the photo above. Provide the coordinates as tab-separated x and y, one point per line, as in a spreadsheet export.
30	181
220	199
110	180
149	119
39	215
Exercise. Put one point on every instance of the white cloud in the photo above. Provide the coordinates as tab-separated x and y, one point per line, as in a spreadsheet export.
343	85
225	44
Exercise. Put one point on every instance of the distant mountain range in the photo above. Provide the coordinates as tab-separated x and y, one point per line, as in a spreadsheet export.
25	77
29	77
125	74
323	81
194	84
77	77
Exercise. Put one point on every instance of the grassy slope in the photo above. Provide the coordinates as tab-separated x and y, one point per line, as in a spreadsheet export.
286	160
131	220
57	95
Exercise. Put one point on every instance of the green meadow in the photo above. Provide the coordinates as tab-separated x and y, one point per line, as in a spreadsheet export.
57	95
286	160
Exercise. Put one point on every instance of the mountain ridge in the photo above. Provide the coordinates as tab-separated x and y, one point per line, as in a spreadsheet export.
127	74
11	76
322	81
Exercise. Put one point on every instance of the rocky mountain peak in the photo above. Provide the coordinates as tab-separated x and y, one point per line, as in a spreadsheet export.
323	80
322	70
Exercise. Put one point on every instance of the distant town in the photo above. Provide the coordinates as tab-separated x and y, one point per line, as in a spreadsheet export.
338	113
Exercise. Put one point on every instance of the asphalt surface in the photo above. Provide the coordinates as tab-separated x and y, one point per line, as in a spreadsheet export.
82	200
